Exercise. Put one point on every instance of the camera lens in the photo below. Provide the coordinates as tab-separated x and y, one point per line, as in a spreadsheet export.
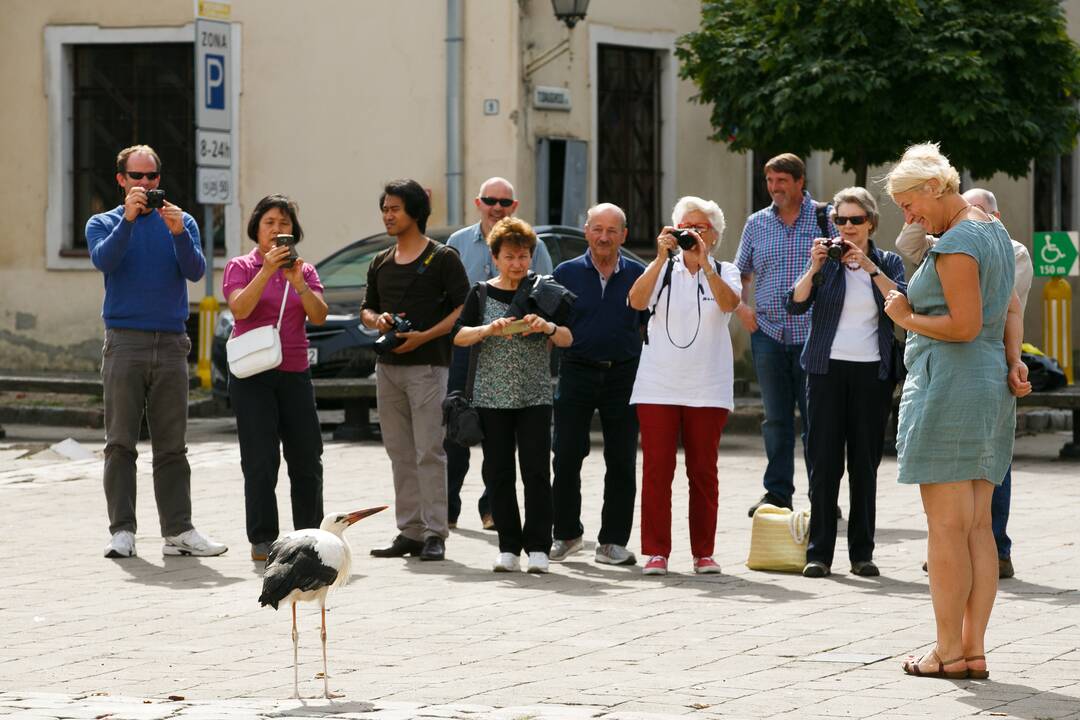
835	252
685	239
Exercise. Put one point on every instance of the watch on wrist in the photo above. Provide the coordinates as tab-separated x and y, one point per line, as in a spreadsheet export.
875	273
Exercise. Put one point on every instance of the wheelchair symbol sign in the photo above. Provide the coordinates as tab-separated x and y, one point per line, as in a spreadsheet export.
1055	253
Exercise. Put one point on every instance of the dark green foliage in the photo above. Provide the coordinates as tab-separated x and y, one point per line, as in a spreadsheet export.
995	82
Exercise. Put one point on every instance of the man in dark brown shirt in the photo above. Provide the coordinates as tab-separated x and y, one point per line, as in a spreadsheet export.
424	283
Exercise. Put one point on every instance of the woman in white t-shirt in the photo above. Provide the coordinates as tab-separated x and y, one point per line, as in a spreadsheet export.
848	359
684	379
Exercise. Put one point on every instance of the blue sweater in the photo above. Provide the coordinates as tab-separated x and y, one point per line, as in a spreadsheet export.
146	269
827	300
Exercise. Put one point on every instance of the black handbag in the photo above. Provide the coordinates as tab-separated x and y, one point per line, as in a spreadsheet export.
1044	372
461	419
899	369
543	296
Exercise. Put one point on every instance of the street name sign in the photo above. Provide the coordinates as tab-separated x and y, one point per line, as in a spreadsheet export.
1055	253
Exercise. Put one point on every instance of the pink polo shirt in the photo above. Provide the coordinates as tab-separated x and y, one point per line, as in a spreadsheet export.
239	272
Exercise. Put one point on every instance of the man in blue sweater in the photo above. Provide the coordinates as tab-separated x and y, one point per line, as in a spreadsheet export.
147	256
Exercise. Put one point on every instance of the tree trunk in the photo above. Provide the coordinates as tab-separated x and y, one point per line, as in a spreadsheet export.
860	168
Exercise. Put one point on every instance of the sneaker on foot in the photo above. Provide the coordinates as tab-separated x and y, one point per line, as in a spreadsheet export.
192	542
121	545
706	566
609	554
506	562
657	565
259	551
538	562
561	549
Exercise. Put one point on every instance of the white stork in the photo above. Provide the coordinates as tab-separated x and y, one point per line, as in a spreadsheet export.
302	567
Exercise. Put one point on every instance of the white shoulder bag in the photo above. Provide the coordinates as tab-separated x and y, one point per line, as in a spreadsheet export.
257	350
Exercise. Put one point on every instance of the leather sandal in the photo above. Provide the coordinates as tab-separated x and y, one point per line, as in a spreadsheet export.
911	667
977	674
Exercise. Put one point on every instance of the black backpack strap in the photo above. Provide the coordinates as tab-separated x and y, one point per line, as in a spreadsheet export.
663	284
821	210
474	351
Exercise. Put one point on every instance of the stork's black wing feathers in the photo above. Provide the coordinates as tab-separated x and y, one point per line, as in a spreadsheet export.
293	564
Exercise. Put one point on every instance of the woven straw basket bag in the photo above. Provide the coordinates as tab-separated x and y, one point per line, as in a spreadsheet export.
778	539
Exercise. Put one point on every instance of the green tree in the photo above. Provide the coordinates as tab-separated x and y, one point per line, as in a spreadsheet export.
995	82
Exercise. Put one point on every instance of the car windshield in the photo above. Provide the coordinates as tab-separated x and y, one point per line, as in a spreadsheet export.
349	267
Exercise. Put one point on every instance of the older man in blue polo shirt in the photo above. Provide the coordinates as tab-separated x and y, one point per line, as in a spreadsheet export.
494	202
597	374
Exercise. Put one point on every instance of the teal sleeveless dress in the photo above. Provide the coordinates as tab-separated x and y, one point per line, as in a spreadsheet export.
957	417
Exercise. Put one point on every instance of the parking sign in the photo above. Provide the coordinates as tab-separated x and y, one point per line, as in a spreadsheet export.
213	55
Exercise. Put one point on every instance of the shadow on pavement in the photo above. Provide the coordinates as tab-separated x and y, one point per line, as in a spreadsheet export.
1038	705
322	709
178	572
1055	595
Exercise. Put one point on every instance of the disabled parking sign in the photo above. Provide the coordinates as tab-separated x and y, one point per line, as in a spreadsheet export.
1055	253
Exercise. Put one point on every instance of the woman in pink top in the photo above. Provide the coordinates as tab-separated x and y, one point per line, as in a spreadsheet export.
276	406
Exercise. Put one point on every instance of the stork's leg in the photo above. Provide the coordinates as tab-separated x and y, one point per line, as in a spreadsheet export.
295	654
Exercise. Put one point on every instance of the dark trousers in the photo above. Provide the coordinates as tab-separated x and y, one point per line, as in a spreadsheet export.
847	408
529	429
999	515
457	456
146	372
783	387
582	391
272	407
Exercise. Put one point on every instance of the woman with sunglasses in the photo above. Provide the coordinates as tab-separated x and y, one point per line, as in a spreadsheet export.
685	380
850	379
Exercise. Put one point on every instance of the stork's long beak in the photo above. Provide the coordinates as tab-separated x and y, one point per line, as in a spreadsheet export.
361	514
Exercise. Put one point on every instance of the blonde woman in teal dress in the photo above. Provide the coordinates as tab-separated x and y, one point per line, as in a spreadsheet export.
958	410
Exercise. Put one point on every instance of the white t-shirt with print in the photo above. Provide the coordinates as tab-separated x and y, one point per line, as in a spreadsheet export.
701	374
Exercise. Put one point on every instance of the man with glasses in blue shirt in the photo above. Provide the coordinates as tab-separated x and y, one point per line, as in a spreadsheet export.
494	202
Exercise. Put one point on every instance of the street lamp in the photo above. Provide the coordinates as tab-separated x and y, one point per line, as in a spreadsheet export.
570	11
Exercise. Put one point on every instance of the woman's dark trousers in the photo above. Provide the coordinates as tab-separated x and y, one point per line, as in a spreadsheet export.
270	407
529	429
847	408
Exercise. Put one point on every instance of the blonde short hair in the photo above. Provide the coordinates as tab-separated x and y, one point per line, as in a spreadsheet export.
919	165
859	196
710	209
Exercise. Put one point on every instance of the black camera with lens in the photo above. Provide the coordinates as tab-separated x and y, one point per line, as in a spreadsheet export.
685	239
389	339
835	248
155	199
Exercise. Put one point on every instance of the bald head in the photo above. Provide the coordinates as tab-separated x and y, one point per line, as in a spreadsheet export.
606	211
984	200
500	194
496	184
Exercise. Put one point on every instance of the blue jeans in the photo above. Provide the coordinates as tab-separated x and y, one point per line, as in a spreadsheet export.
783	385
999	515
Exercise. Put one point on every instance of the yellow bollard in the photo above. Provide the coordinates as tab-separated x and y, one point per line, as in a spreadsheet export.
208	312
1057	323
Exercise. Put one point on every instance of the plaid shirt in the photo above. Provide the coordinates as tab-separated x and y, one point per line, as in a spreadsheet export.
776	255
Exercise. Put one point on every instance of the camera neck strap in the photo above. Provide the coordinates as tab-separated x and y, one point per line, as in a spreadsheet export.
474	351
284	297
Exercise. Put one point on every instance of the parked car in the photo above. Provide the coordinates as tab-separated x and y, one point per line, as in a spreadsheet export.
342	346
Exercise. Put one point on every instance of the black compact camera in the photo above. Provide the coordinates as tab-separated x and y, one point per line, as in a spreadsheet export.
835	248
389	339
685	239
155	199
290	242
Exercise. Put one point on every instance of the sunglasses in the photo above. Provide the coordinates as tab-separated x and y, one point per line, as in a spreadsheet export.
503	202
854	220
696	228
140	175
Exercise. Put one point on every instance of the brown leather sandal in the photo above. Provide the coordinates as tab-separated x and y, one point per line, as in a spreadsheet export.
911	667
977	674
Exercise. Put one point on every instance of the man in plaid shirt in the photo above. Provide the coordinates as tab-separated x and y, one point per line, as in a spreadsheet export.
774	251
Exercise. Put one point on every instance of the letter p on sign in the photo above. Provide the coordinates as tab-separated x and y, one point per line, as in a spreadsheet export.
215	82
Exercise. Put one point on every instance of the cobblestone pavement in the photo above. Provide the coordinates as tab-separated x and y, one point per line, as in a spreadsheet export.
86	637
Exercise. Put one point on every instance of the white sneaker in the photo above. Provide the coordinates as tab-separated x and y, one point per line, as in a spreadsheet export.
122	545
538	562
192	542
506	562
561	549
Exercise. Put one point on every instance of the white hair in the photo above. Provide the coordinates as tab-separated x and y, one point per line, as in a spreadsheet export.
710	209
984	196
919	165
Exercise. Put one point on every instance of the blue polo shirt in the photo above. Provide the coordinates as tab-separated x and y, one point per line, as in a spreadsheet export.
476	256
605	327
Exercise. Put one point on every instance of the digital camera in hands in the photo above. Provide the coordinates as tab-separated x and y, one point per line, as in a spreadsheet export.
685	239
290	242
836	248
155	199
389	339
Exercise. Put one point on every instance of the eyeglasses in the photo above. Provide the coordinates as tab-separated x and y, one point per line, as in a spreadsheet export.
503	202
140	175
854	220
699	228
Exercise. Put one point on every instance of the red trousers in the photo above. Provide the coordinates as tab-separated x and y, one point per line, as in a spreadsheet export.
661	426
